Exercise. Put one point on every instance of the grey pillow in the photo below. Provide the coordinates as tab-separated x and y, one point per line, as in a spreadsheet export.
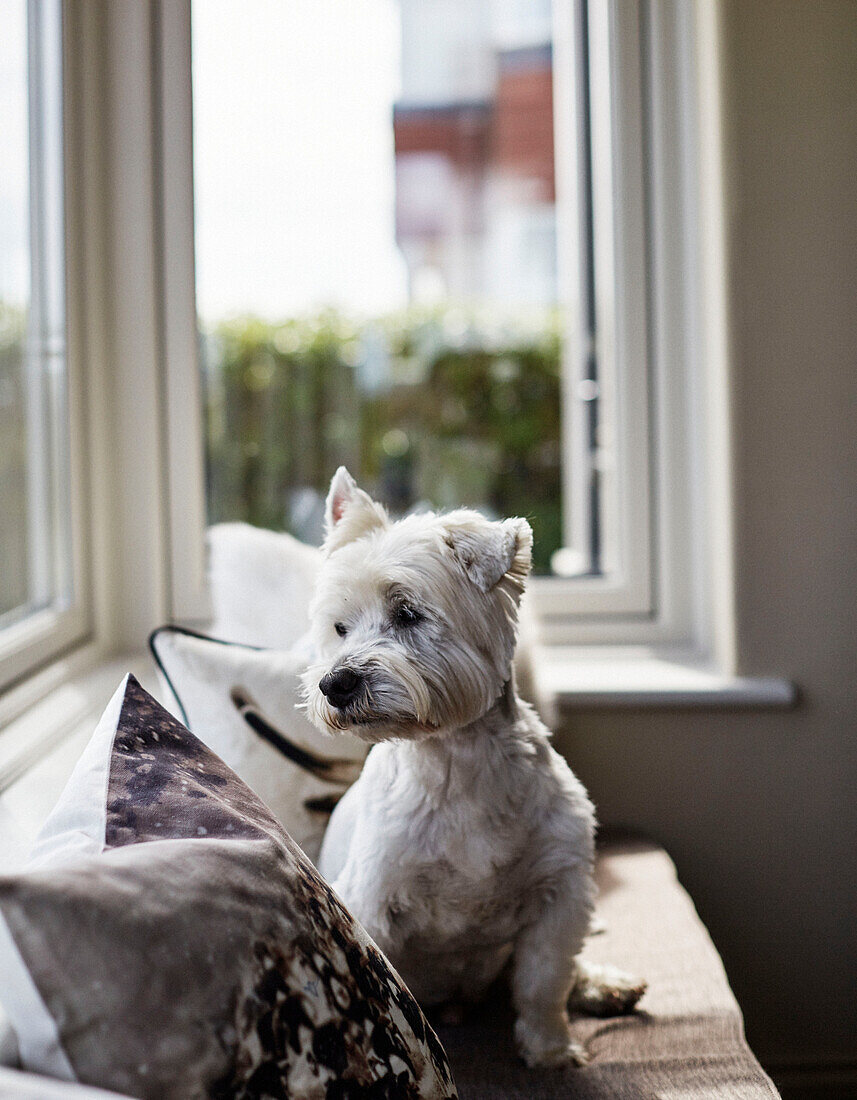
169	940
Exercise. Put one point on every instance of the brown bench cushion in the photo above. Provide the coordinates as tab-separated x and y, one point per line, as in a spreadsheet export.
687	1041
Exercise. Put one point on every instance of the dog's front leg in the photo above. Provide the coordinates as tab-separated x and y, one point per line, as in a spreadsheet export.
544	973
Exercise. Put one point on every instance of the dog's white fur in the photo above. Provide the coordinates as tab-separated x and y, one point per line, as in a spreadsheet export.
467	843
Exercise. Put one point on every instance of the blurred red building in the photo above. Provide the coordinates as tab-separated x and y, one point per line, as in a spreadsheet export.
475	192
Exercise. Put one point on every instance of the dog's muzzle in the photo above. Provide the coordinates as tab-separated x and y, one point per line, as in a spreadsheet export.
341	686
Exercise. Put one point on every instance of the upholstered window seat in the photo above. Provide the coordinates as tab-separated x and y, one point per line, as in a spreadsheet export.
687	1041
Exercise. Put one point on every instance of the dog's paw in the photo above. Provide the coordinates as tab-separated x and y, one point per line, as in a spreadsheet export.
604	990
548	1047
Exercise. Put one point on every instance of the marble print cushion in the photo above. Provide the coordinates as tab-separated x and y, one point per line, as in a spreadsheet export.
167	939
244	703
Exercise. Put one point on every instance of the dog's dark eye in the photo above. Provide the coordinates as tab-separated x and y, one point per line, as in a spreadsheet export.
405	616
340	629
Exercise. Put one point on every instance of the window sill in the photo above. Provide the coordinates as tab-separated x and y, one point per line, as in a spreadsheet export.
586	678
56	703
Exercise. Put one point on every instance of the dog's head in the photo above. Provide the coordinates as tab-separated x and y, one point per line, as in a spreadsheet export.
414	621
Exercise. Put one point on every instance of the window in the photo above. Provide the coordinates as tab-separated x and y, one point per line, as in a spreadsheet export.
562	136
423	249
40	583
576	411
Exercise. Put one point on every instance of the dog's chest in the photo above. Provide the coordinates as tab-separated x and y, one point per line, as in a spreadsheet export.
454	856
472	888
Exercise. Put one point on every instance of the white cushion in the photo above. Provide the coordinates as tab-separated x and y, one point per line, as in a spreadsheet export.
210	678
261	585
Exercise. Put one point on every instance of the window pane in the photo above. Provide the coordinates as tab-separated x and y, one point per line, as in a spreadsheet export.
34	546
377	257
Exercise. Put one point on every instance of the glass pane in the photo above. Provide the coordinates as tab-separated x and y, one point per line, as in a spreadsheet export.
376	257
33	448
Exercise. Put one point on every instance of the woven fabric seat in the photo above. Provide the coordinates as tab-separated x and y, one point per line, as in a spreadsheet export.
687	1041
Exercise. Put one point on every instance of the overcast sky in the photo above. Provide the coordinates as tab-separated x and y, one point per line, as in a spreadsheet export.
293	152
294	156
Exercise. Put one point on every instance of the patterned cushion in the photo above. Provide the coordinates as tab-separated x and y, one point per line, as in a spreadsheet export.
169	940
244	703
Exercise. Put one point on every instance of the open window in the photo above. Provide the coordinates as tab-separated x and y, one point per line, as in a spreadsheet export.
426	247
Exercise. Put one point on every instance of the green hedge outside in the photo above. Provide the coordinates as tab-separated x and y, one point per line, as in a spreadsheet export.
437	408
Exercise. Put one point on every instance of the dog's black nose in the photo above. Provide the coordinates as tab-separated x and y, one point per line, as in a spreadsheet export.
341	685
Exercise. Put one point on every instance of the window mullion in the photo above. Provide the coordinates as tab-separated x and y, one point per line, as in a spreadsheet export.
572	138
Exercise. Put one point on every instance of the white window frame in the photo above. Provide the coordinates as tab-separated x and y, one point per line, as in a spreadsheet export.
56	495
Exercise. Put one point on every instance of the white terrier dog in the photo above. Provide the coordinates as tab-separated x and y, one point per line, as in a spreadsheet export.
467	842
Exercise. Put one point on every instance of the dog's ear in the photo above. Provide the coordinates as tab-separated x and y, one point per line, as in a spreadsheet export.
488	552
350	512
